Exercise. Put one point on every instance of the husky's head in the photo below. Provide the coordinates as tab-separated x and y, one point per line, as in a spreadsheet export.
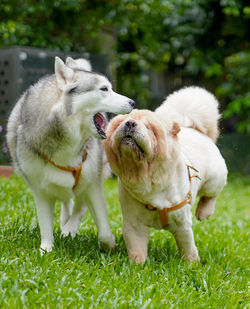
88	93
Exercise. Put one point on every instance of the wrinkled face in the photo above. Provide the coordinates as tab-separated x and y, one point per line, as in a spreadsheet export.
138	140
89	93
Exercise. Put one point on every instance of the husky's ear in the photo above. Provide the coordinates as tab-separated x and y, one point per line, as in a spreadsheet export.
175	129
63	73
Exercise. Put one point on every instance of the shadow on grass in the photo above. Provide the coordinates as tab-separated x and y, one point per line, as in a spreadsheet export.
162	248
17	238
22	239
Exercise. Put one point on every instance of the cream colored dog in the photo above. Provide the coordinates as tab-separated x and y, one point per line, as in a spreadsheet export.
164	159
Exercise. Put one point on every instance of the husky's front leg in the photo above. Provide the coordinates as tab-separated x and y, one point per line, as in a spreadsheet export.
66	212
45	211
96	202
70	227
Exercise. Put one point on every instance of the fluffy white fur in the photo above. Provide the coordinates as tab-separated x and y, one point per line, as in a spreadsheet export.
149	151
192	106
83	64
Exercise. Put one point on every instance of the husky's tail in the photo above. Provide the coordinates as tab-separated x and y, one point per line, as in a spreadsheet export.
13	124
196	108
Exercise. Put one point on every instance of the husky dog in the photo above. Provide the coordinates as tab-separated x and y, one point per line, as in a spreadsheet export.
50	136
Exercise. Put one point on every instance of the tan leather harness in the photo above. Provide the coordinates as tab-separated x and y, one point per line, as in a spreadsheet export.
76	171
188	199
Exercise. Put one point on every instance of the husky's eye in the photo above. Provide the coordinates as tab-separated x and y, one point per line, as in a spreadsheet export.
104	88
73	90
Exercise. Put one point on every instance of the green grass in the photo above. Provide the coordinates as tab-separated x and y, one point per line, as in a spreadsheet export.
77	275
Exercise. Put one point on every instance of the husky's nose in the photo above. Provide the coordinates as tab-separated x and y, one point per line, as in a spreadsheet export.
132	103
130	126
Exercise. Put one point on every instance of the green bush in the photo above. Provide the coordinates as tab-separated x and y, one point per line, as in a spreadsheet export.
204	40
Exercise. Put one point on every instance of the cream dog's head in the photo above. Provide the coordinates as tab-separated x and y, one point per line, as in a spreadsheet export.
139	142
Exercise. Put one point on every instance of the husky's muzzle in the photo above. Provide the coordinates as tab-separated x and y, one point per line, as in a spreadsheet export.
100	124
100	121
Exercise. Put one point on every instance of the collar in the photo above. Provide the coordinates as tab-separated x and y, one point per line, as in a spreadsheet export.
187	200
76	171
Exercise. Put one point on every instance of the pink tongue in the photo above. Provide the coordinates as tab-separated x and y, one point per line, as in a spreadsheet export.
100	120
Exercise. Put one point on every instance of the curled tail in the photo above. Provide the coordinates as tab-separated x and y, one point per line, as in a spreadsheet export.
195	108
14	122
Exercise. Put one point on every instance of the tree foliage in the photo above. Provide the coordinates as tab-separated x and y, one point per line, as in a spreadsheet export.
204	40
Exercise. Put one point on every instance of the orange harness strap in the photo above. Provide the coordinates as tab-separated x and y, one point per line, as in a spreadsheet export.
76	171
188	199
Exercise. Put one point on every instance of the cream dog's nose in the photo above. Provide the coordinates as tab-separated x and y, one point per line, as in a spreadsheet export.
130	125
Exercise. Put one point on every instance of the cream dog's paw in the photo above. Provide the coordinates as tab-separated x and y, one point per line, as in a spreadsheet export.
205	207
203	213
192	256
137	257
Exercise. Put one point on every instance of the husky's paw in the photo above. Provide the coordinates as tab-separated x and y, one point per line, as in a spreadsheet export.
45	248
68	231
70	228
106	242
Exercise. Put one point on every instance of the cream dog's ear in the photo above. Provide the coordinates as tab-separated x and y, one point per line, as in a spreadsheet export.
175	129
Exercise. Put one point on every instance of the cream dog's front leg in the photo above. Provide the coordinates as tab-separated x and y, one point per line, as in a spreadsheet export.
184	238
136	239
135	233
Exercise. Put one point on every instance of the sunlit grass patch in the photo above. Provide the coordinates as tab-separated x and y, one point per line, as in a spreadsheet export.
76	274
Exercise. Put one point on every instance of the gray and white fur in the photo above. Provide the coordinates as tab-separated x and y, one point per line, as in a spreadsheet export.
56	117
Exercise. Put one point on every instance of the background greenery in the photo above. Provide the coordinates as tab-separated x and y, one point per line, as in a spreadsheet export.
77	275
204	42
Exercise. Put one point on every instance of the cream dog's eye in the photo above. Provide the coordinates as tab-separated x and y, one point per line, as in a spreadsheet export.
150	129
148	126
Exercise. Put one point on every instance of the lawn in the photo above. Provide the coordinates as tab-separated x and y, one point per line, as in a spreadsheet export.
77	275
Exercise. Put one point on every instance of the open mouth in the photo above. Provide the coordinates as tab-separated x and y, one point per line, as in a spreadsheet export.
100	124
129	141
